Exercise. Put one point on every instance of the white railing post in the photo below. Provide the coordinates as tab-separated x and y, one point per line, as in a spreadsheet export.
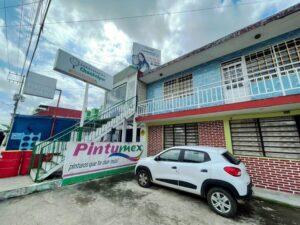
278	71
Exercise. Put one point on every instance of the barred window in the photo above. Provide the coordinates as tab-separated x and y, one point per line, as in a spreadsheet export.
270	137
288	56
181	134
260	64
233	76
263	63
179	86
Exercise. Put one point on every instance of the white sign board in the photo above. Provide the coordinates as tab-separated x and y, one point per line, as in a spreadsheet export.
74	67
39	85
145	58
88	157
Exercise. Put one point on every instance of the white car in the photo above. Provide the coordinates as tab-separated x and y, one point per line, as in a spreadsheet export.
206	171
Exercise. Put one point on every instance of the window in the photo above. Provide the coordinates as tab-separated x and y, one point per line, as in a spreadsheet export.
270	137
117	95
179	87
288	56
230	158
195	156
261	64
171	155
233	74
181	135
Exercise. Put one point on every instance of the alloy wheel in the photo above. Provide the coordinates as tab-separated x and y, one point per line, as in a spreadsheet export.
220	202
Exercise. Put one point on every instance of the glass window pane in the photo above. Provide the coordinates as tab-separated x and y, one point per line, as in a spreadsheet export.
194	156
171	155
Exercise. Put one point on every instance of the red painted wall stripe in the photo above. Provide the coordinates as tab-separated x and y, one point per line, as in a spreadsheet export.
283	100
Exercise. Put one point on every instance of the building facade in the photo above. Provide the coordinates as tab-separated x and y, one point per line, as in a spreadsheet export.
241	92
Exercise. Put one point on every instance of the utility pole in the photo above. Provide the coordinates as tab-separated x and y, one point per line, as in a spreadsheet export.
18	97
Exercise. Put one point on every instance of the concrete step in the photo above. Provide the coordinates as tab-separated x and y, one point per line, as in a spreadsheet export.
48	165
33	173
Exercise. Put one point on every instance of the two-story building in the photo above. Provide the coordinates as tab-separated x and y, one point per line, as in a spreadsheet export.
241	92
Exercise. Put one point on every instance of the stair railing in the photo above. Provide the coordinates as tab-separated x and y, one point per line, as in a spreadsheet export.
49	149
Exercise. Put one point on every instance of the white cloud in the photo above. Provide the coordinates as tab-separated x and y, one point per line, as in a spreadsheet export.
107	44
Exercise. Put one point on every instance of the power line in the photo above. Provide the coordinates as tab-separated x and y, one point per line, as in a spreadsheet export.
5	20
18	5
21	19
150	15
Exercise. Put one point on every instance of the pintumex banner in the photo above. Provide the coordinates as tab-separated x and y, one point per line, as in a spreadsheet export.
84	158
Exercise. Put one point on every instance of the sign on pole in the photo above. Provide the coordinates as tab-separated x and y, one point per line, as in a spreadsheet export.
74	67
40	86
145	58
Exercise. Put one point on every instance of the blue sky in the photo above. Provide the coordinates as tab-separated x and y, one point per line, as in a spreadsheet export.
107	44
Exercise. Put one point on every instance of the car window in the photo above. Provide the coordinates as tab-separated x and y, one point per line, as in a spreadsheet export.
171	155
195	156
230	158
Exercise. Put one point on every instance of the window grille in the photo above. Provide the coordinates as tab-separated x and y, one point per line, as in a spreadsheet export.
178	87
270	137
181	134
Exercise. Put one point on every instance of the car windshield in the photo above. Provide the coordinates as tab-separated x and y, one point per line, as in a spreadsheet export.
230	158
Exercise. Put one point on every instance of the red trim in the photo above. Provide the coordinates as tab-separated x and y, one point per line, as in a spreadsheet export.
282	100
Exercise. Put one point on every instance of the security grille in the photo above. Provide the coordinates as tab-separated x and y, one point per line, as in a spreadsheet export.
261	64
233	74
270	137
178	87
181	134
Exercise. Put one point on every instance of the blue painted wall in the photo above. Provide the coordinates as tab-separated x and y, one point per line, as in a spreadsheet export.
210	73
27	130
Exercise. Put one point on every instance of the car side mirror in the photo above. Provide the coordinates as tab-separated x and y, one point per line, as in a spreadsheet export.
157	158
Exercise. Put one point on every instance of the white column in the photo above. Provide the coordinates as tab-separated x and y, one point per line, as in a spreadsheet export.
134	130
85	102
124	130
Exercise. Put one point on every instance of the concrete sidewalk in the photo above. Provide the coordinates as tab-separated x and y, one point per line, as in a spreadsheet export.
276	196
23	185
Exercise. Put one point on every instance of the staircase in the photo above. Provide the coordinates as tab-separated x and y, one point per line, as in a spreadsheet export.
48	156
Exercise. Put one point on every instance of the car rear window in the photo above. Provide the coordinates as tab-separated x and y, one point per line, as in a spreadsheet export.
230	158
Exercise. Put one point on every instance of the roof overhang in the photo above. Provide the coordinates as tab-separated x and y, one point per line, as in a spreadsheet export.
280	23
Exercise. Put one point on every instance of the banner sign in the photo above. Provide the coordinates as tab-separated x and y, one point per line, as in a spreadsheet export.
88	157
74	67
145	58
40	86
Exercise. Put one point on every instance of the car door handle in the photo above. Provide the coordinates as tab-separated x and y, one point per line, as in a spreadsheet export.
174	167
203	171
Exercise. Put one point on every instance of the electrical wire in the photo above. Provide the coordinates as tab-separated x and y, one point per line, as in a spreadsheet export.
6	37
149	15
20	29
18	5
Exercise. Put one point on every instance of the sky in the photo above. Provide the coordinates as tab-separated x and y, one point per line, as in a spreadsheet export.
93	31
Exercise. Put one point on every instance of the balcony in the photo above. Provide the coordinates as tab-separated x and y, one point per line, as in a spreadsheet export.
287	82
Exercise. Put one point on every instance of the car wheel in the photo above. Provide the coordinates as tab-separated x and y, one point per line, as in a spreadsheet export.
221	202
143	178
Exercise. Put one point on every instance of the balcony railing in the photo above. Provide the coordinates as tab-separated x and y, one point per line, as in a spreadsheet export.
267	86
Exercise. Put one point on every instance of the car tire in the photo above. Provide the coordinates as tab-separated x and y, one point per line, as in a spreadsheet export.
222	202
144	178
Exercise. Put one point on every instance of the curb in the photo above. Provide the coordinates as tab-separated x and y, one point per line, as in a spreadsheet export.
37	187
277	197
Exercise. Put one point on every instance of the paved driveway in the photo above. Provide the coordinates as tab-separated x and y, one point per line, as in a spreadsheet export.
119	200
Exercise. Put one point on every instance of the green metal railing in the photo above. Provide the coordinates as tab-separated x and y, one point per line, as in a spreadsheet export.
52	149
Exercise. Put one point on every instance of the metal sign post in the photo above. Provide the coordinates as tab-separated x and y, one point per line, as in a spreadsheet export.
85	102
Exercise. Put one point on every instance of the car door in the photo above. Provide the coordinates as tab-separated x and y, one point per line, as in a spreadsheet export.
164	170
193	170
